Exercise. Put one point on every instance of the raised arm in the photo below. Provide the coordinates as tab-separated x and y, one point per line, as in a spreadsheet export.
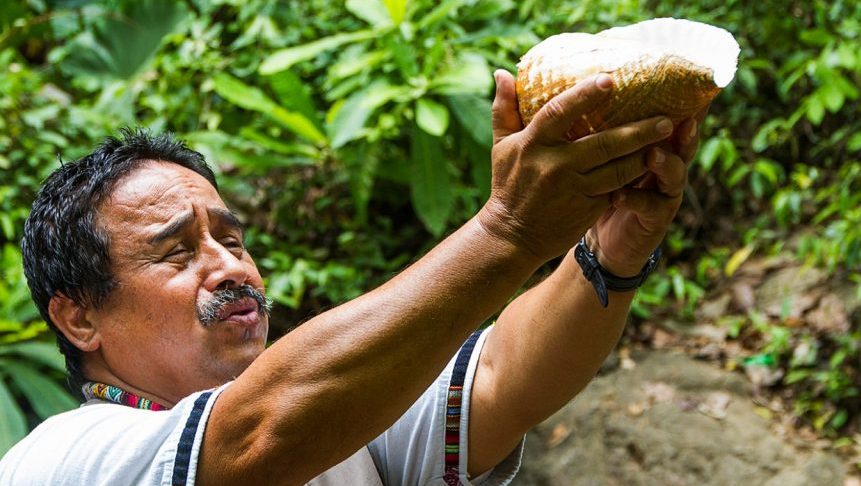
549	342
323	391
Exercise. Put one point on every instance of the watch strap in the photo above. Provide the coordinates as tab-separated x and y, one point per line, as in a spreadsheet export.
604	280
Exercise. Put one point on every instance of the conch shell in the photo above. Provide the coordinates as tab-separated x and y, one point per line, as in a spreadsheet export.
666	66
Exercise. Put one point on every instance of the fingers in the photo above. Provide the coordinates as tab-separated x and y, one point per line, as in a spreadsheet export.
670	172
600	147
551	124
505	116
613	175
688	140
653	210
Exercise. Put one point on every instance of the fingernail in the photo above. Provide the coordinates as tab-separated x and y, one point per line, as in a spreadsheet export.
496	79
604	82
664	127
659	157
693	132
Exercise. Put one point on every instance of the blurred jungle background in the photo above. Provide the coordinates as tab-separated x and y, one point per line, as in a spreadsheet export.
352	136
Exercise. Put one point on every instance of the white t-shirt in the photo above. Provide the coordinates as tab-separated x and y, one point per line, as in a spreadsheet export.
102	443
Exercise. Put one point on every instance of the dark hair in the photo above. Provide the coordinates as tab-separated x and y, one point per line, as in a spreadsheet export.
64	250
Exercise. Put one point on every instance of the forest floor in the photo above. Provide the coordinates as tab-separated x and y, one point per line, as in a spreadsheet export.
672	405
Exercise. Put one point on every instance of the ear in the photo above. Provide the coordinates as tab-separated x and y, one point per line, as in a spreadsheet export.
70	318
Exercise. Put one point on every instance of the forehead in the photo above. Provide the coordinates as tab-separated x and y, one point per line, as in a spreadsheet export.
155	192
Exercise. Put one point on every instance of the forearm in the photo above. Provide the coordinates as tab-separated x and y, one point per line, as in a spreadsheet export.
545	347
339	380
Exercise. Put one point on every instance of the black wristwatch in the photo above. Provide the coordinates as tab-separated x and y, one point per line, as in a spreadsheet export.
602	280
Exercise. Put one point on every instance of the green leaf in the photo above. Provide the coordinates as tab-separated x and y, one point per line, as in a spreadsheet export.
437	14
45	396
429	183
431	116
709	153
363	167
284	58
373	12
833	97
13	424
468	74
815	110
123	43
294	95
397	9
815	37
241	94
251	98
473	114
350	117
41	353
854	143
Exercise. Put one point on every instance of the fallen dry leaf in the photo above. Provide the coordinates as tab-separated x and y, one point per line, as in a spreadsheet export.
560	432
636	409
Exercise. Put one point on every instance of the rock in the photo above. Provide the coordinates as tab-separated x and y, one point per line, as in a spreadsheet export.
789	292
672	438
830	316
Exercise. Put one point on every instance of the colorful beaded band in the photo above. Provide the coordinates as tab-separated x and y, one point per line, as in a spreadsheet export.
93	390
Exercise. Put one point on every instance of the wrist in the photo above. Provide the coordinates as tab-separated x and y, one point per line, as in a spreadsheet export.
493	224
623	269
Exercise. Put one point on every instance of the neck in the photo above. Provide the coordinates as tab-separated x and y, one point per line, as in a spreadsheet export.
101	374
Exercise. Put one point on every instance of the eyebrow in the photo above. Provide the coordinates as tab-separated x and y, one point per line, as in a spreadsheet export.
178	225
173	228
226	218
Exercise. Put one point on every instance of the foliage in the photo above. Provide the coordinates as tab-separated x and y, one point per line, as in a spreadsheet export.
351	137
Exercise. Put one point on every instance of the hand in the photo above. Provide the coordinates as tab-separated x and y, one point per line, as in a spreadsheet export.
547	189
638	218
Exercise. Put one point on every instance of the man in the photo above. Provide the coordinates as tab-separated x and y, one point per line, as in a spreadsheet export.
139	266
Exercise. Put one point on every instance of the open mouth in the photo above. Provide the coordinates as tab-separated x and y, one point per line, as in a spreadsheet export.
243	311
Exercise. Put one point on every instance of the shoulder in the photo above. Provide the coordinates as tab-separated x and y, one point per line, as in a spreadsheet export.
129	444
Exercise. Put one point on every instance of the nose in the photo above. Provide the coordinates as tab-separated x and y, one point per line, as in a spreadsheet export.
224	269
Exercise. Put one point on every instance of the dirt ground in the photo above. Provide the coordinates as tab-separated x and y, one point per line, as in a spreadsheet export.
664	418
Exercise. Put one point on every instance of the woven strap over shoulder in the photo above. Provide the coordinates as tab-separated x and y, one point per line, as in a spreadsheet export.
453	412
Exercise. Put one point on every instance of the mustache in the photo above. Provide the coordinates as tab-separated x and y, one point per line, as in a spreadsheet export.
208	312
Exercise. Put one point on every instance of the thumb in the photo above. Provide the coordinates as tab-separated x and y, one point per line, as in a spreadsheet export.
506	117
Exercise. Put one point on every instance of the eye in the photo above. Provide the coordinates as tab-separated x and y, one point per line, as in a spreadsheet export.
178	253
233	244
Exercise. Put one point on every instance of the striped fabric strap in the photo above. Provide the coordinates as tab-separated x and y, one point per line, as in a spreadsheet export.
453	412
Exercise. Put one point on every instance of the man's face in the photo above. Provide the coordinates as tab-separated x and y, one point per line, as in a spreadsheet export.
173	246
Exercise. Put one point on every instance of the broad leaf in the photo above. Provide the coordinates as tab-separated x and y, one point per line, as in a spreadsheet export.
123	44
431	116
45	396
251	98
294	95
473	114
283	59
440	12
397	10
13	424
469	74
362	165
373	12
430	183
41	353
351	116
